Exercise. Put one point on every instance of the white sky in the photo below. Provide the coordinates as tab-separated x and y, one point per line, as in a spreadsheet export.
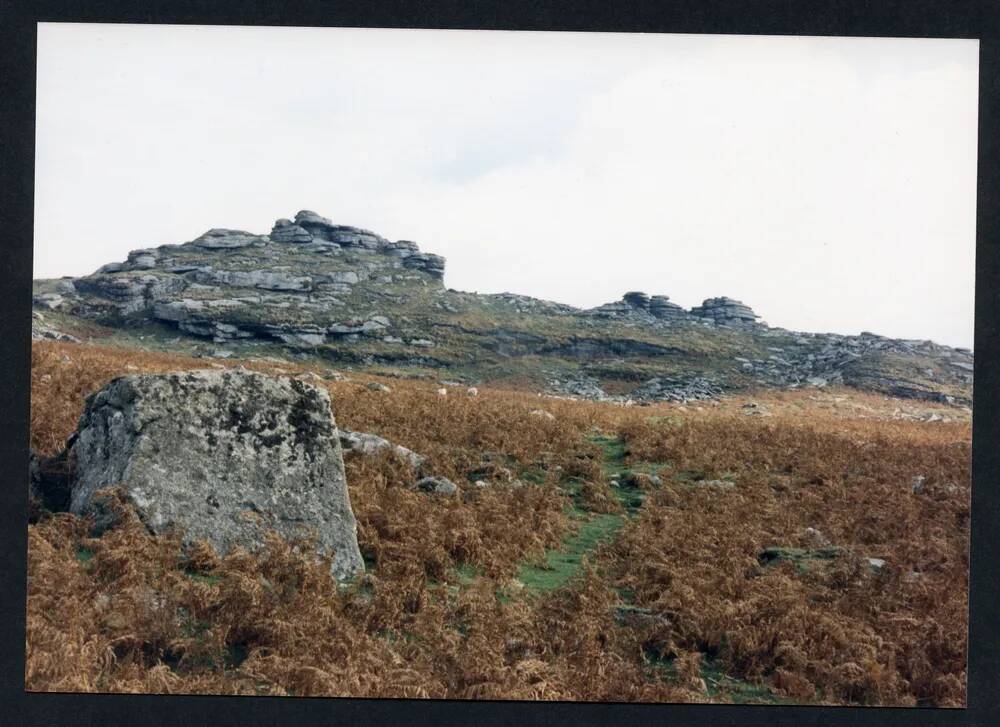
827	182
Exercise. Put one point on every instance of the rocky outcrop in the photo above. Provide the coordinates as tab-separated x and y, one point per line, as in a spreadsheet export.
351	296
725	311
658	306
223	455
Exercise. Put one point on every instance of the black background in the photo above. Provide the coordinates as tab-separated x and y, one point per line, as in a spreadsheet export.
915	18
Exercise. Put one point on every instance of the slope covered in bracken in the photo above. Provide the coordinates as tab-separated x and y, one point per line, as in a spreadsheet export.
810	548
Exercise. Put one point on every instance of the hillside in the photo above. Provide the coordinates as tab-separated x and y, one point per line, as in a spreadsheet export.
800	546
313	290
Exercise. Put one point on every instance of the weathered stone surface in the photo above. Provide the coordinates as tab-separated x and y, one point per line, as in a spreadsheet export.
349	237
222	455
431	264
264	279
219	238
287	231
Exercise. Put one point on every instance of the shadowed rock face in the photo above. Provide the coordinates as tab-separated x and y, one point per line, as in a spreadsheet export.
223	455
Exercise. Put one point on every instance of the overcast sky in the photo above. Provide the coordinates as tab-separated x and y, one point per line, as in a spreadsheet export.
827	182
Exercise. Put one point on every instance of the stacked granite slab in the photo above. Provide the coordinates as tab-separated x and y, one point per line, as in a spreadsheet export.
658	306
725	310
637	299
661	307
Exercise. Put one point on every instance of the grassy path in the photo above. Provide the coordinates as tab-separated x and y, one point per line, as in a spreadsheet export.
562	563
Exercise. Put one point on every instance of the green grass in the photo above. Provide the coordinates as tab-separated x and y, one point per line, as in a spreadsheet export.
563	563
719	685
467	573
202	577
737	691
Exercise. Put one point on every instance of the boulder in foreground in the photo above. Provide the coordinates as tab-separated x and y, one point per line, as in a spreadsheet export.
221	454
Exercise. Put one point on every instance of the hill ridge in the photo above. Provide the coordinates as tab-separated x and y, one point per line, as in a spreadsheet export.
312	287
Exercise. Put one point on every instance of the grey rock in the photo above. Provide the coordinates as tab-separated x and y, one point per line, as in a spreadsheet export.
716	484
431	264
661	307
142	259
349	237
288	231
263	279
222	455
637	299
725	310
220	238
436	485
48	300
367	443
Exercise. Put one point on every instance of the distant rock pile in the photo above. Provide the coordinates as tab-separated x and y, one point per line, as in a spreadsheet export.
725	311
222	455
658	306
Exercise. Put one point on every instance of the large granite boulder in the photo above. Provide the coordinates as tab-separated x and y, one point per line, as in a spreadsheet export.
222	455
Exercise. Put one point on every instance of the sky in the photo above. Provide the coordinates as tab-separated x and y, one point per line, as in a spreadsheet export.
829	183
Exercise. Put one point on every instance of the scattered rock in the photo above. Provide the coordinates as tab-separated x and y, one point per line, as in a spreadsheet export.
816	538
640	480
437	485
376	386
752	408
876	564
542	414
716	484
366	443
